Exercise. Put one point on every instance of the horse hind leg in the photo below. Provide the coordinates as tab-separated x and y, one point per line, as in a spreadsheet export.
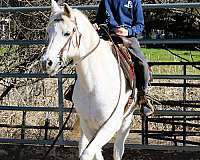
121	136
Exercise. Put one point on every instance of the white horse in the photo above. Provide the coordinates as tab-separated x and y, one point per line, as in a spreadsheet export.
100	92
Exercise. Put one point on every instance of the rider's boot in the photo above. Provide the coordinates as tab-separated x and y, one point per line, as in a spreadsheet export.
146	108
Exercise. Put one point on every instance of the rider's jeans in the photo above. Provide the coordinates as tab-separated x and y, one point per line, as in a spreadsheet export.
140	65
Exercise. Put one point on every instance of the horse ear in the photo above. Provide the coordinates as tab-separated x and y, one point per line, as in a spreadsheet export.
67	10
54	6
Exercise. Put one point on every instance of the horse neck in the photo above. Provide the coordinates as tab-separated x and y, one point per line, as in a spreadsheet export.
91	69
84	70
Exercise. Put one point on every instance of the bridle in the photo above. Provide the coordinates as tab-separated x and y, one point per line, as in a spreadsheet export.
69	42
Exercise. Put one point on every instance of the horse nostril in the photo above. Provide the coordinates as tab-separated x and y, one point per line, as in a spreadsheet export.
44	63
50	63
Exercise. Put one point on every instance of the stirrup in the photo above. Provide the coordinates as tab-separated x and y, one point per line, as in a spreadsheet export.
146	108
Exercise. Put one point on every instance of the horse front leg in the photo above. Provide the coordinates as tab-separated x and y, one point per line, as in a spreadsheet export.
102	137
84	140
121	136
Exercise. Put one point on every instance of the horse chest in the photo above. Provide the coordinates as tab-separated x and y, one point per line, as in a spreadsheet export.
88	108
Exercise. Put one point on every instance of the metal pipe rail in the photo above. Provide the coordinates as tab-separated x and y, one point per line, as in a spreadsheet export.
174	63
40	75
179	77
194	85
34	75
142	42
95	7
36	109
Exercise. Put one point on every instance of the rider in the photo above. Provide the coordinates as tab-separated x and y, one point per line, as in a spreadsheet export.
125	18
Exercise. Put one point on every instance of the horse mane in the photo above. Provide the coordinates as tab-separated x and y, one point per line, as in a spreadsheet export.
80	15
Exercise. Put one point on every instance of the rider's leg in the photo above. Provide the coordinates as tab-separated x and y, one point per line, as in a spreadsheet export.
142	76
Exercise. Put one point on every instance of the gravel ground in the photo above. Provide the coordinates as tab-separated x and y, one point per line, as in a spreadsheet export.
26	152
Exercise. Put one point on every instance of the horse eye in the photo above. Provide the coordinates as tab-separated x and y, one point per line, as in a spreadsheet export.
58	20
66	34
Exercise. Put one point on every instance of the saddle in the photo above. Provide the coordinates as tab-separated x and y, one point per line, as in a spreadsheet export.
121	52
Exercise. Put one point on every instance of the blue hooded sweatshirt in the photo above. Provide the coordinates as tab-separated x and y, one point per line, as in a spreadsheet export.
125	13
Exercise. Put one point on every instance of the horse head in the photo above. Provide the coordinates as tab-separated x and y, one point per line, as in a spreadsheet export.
63	36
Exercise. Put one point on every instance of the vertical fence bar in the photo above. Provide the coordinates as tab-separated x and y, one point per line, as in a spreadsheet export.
23	125
184	99
146	130
61	105
143	129
46	125
173	131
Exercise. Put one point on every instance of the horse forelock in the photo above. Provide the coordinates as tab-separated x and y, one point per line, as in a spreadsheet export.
76	14
53	17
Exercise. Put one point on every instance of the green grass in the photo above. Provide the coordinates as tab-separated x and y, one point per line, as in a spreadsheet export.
161	55
8	58
2	50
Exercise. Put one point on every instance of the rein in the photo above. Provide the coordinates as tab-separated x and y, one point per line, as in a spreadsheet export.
82	58
68	42
120	91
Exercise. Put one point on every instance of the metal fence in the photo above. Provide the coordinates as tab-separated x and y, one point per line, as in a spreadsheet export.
176	116
94	7
145	132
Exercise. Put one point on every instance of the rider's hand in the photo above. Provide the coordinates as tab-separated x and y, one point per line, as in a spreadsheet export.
96	27
121	31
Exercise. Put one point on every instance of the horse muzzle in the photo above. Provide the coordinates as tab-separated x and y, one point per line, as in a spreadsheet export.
46	64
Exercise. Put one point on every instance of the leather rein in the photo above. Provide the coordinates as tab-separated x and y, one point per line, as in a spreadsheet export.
69	42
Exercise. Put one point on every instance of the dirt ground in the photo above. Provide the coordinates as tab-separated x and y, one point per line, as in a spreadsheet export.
28	152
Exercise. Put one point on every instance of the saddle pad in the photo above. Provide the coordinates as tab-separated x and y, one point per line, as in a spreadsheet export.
121	52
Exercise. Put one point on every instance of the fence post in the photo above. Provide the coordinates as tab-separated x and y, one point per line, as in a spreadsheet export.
174	131
46	125
146	130
143	129
184	100
61	105
23	125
